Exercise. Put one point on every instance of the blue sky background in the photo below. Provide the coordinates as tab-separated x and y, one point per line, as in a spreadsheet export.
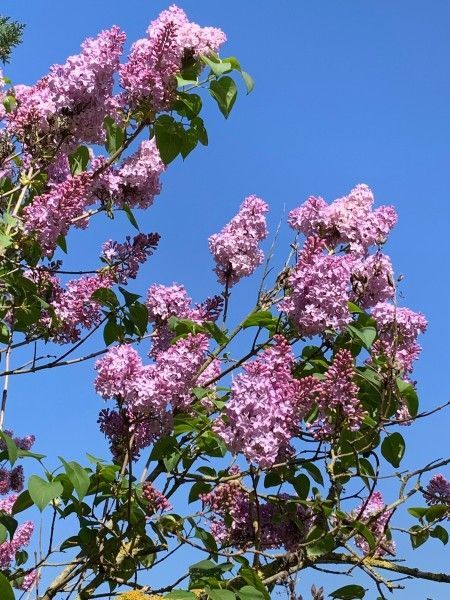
346	92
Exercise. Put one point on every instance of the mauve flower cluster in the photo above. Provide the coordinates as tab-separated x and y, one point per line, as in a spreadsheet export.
348	220
336	397
234	512
156	500
146	394
20	538
165	301
261	415
398	329
320	290
50	215
74	306
125	259
135	183
11	480
171	42
236	248
74	97
334	265
438	491
373	513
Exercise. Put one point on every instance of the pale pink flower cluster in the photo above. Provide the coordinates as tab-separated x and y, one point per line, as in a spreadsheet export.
373	513
21	537
234	512
171	43
260	414
336	397
320	290
75	96
236	248
147	395
398	329
438	491
51	214
135	183
156	500
348	220
126	258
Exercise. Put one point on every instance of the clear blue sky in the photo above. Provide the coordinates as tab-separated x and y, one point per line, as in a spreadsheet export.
346	92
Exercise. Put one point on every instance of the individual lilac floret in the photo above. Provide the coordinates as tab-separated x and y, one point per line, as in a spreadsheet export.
398	329
372	280
172	41
236	248
438	491
125	259
320	290
348	220
261	410
373	512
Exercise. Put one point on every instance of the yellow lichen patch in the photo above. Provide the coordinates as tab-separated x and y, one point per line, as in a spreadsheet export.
136	595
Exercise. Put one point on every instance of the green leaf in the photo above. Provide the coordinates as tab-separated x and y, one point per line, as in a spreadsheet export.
181	595
248	80
248	592
23	502
365	532
105	297
220	594
349	592
313	471
418	536
253	579
319	542
115	135
188	105
436	512
301	485
216	333
112	332
418	512
6	592
440	533
200	131
168	138
366	334
218	67
130	216
224	92
79	160
78	477
139	316
43	492
260	318
393	449
8	523
11	447
409	395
